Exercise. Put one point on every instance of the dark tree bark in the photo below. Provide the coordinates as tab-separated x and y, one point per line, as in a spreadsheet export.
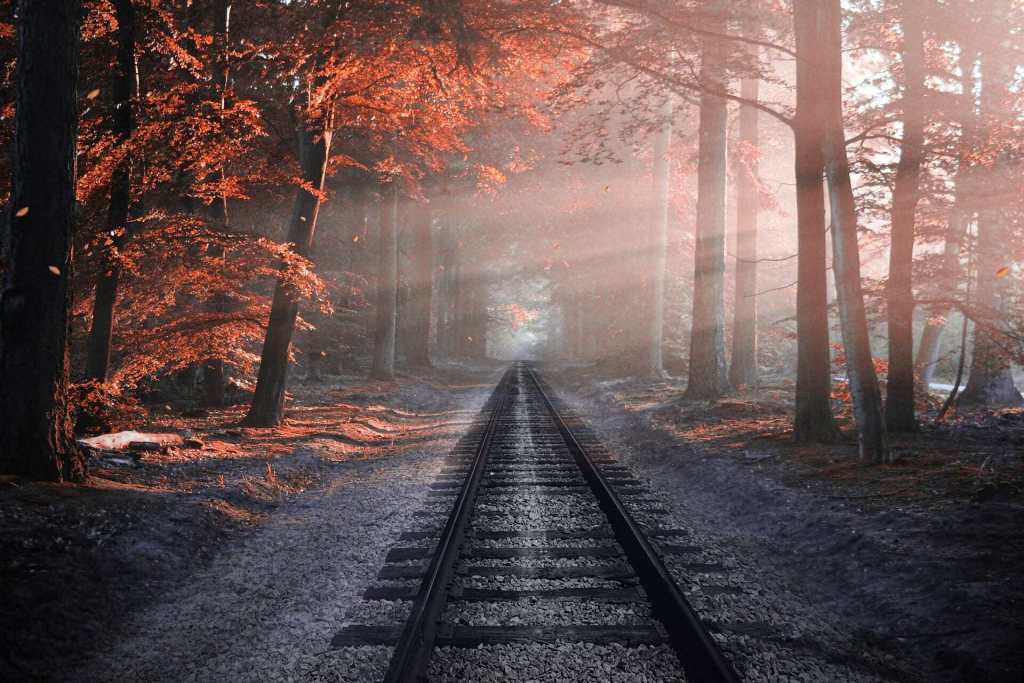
387	289
743	370
422	288
97	363
707	372
655	366
860	368
267	408
899	399
813	421
36	438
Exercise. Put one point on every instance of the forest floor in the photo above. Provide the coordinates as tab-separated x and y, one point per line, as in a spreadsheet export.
239	560
214	563
919	564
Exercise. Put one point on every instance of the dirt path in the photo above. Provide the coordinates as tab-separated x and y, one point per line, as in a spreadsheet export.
265	607
236	561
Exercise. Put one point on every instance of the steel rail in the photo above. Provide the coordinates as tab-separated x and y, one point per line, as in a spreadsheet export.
698	654
416	642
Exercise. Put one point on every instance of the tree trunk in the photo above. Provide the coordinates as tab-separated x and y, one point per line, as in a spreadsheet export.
860	368
655	366
422	288
707	373
990	382
743	370
97	364
214	378
899	398
36	439
387	289
267	408
813	421
958	222
447	310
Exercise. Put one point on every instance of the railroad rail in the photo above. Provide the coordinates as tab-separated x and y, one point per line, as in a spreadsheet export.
522	461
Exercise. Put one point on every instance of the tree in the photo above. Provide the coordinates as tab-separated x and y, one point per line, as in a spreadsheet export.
899	403
990	382
314	145
813	420
387	287
659	240
422	287
97	364
860	368
960	215
35	301
743	370
707	376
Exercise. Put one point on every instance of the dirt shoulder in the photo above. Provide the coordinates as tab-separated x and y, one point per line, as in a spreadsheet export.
919	564
84	565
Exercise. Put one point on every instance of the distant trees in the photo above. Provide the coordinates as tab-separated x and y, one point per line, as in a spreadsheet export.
395	124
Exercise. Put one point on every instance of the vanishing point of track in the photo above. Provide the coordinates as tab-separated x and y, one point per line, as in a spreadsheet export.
554	465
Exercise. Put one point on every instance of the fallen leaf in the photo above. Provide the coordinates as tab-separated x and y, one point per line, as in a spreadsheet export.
356	238
1003	272
22	212
54	269
93	94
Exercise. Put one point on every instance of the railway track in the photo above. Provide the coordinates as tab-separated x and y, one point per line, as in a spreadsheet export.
539	551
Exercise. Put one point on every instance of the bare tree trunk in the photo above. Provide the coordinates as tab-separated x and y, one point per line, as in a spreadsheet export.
813	420
990	382
387	289
448	329
214	378
422	288
267	408
867	398
958	222
707	372
97	363
899	399
472	310
743	370
36	438
659	241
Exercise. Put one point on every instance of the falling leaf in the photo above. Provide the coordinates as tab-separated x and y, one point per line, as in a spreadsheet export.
355	238
93	94
607	187
22	212
54	269
302	218
1003	272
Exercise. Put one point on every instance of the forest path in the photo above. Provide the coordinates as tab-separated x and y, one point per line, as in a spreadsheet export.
267	605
